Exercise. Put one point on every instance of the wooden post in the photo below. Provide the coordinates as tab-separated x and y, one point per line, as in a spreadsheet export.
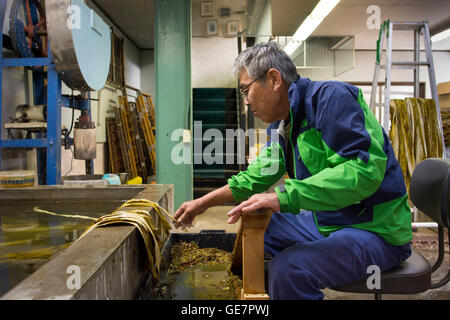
249	253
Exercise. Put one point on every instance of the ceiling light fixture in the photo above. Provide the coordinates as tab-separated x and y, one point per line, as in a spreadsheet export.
323	8
441	36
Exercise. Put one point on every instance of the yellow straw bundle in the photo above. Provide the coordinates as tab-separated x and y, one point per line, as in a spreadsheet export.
414	133
139	218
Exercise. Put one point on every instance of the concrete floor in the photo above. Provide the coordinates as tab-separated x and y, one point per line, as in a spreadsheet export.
425	241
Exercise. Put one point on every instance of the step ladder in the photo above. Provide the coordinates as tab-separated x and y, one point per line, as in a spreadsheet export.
386	31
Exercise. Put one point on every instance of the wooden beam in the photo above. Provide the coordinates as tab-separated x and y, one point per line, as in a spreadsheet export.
248	254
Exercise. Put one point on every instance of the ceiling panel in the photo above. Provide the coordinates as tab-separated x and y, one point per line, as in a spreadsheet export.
134	18
350	18
287	15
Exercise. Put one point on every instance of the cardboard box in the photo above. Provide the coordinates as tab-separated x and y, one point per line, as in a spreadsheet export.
443	88
444	101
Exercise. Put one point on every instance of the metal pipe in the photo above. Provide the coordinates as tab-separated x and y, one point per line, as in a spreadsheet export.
424	225
416	224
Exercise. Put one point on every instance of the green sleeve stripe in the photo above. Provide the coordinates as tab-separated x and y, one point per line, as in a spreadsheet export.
260	175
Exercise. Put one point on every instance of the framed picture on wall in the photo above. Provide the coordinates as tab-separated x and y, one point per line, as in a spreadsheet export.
207	8
212	28
232	28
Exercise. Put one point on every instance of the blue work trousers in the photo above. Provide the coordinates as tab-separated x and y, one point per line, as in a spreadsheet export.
304	261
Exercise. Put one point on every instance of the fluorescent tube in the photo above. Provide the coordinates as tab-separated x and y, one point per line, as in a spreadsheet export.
323	8
441	36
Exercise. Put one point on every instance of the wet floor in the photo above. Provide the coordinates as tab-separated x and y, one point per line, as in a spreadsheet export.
29	239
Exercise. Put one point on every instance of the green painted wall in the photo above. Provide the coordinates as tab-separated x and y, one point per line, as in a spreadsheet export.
173	92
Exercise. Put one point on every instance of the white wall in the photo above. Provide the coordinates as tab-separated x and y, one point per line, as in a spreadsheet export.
14	92
364	69
442	66
147	62
132	63
212	61
265	25
212	57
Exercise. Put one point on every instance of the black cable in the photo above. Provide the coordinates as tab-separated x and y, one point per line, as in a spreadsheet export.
73	114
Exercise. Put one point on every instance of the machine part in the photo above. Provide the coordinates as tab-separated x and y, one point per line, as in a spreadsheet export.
80	42
123	177
86	179
27	113
84	141
47	138
66	141
28	29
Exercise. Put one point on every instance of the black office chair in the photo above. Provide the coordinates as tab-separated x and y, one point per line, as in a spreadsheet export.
430	193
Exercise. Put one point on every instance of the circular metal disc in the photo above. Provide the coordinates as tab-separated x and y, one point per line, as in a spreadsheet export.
80	42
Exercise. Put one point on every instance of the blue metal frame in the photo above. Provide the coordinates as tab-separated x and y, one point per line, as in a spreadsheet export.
76	103
51	140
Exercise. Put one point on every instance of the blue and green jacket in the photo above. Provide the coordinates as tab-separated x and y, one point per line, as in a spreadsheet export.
345	170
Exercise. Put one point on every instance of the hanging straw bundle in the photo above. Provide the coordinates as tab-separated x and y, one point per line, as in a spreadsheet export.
414	133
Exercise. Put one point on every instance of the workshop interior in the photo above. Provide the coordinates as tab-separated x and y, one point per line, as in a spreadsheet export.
114	113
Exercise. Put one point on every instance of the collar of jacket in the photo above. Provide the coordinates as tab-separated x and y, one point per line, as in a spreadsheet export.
296	95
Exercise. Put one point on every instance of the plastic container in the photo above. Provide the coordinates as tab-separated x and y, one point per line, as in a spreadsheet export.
86	179
17	178
137	180
112	179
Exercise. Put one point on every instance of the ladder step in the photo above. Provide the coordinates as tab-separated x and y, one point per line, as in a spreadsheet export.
410	63
406	64
407	25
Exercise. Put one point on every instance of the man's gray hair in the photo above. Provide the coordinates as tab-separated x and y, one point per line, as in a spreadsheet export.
258	59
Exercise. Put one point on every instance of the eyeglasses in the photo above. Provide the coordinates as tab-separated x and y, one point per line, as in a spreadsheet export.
244	91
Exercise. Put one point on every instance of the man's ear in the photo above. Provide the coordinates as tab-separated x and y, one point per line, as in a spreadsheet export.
275	79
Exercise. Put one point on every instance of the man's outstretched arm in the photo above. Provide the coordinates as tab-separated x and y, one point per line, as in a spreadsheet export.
190	209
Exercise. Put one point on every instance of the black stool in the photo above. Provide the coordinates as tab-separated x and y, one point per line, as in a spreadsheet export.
430	192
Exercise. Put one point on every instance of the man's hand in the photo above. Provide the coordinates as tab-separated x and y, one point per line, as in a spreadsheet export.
187	212
257	201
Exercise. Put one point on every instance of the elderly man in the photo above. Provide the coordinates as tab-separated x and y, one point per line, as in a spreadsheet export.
344	207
